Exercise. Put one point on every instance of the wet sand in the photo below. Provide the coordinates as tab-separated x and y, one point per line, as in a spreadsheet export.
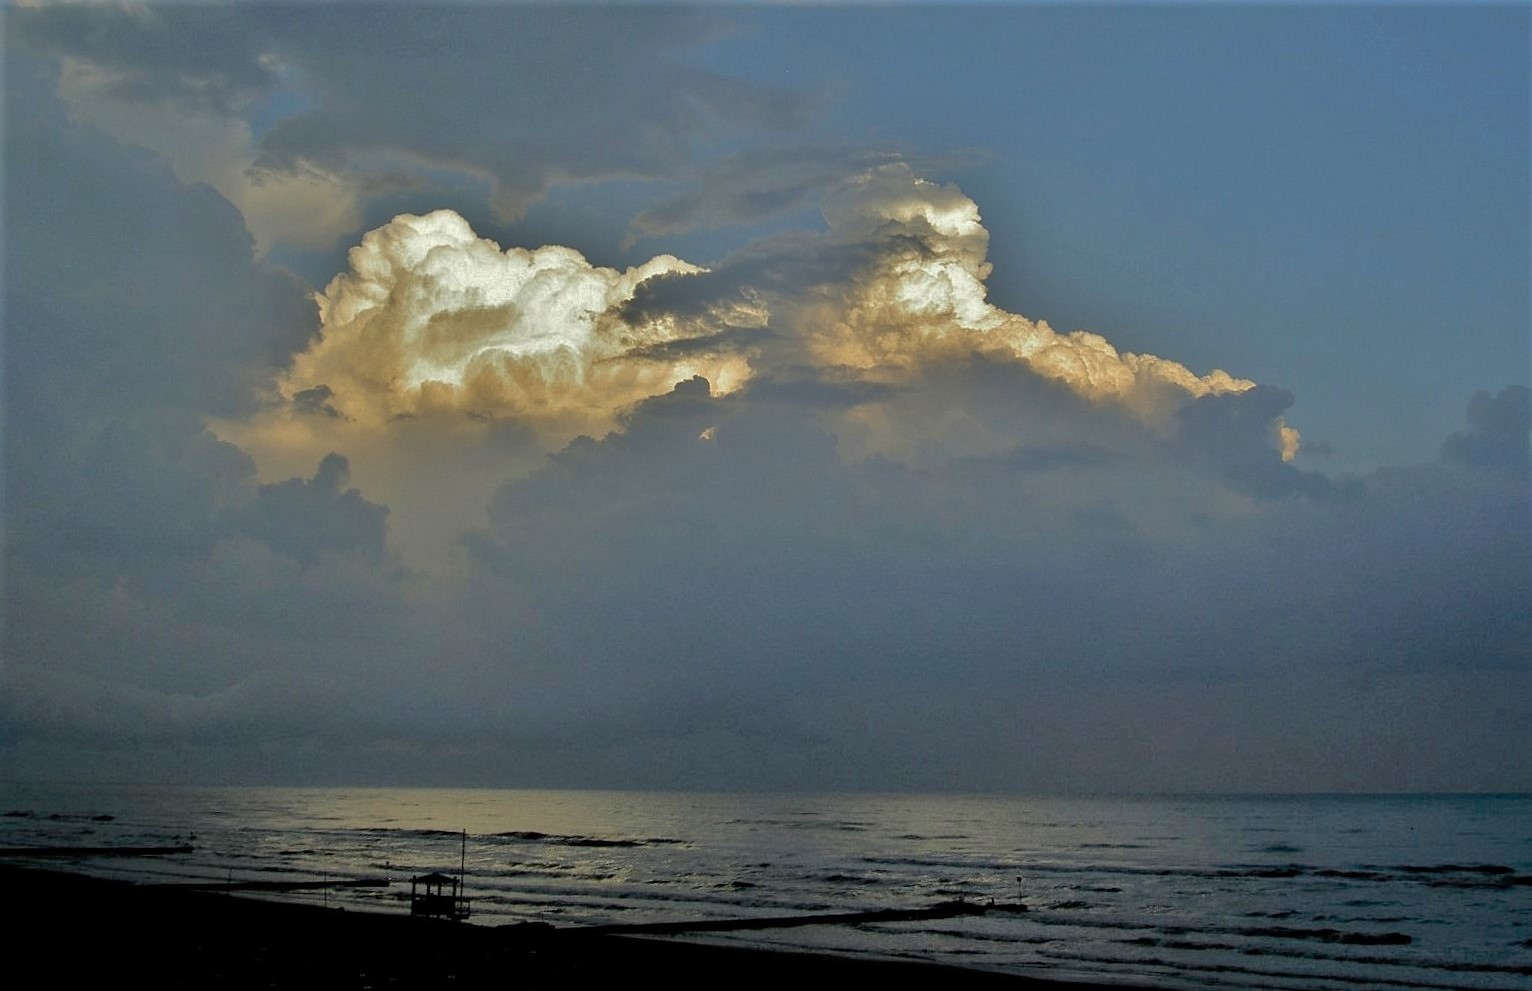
112	933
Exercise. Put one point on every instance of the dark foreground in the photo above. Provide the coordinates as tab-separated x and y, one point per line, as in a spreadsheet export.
108	934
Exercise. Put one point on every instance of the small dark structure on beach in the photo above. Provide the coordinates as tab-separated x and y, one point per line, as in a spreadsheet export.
436	896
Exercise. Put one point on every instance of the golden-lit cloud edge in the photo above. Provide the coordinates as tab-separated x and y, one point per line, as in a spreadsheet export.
433	322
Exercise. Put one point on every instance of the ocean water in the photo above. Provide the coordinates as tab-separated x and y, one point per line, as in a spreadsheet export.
1176	892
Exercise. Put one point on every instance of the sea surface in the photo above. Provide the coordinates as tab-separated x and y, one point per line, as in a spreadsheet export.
1176	892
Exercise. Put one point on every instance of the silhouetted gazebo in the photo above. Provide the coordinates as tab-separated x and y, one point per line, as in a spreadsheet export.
436	896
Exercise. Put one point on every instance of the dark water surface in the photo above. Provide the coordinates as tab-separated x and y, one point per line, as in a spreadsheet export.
1202	892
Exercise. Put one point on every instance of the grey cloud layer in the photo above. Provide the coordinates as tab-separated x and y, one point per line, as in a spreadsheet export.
1037	589
598	92
795	609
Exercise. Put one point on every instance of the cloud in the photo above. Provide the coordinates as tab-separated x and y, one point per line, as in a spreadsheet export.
835	519
1497	432
433	320
152	283
306	519
137	490
898	278
296	119
151	584
736	559
134	308
755	185
642	99
491	357
1244	435
316	402
198	61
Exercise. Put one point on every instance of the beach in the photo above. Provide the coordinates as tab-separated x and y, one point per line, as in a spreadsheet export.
173	937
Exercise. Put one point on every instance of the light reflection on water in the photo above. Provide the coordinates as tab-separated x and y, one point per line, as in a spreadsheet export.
1185	891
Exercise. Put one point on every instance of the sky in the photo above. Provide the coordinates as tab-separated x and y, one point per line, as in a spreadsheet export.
1056	398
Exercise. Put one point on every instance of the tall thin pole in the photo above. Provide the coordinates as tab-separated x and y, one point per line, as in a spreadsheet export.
462	870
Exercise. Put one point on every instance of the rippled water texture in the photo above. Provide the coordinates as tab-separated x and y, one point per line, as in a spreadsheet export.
1301	892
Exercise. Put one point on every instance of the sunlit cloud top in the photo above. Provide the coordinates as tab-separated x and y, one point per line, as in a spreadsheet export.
433	320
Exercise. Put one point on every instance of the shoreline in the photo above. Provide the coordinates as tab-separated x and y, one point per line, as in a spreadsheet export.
185	938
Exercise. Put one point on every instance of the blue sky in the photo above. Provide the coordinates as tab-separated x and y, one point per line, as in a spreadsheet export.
692	397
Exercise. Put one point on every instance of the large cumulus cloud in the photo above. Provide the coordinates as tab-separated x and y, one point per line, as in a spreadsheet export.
434	321
897	278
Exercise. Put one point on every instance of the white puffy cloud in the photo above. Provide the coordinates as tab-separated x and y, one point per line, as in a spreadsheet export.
931	296
896	284
433	319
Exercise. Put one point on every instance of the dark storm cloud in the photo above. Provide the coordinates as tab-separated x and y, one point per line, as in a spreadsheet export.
316	402
524	96
794	262
732	339
308	518
153	590
133	290
815	388
855	605
133	309
1497	432
1236	433
195	60
70	710
137	490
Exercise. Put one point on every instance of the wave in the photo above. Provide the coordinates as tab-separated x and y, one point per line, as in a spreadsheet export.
1494	869
554	839
1444	875
393	831
837	825
1331	936
58	816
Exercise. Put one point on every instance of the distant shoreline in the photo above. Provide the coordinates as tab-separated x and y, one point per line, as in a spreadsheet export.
183	938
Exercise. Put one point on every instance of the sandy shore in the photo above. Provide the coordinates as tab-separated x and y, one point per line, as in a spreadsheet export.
116	932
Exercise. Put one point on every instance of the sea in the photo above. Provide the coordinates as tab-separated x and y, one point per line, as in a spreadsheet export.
1312	892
